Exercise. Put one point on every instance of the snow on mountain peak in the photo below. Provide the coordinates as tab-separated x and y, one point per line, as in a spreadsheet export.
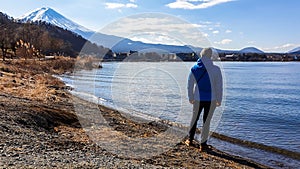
251	50
41	14
49	15
295	50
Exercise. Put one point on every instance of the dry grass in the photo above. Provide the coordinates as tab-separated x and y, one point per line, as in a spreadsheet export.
87	63
33	79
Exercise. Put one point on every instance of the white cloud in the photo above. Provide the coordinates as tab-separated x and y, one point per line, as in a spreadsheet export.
228	31
282	48
131	5
216	32
218	24
199	25
224	42
289	45
156	39
195	4
112	5
251	42
132	1
159	28
205	35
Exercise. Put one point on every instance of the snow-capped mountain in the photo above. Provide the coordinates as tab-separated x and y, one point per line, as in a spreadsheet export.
296	50
50	16
246	50
117	44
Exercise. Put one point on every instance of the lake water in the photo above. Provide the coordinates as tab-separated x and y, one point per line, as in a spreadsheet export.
261	100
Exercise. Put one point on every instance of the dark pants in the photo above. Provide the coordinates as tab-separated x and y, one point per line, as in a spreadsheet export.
209	108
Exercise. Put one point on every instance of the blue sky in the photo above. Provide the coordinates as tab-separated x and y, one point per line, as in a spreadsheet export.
270	25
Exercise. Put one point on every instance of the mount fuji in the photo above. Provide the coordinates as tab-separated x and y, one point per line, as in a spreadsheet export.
117	44
50	16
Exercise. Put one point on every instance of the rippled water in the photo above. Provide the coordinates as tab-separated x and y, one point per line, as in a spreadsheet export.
262	99
263	103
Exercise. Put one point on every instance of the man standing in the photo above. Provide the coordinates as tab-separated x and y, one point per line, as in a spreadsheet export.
205	90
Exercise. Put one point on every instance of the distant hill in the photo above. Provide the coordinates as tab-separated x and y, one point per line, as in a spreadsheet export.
247	50
4	19
295	51
251	50
126	45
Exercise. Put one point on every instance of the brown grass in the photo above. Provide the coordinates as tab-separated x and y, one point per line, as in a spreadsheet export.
33	79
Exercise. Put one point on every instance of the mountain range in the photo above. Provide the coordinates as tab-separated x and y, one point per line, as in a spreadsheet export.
295	51
118	44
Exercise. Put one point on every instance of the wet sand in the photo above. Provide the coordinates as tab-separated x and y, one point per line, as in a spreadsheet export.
39	128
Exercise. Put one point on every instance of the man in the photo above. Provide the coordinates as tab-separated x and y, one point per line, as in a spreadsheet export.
205	90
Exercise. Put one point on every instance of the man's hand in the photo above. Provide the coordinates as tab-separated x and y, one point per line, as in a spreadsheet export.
218	104
192	101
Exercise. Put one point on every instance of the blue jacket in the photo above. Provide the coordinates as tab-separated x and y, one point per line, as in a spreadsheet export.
205	82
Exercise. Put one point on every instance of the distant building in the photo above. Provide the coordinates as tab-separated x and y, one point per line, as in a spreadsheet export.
229	56
49	57
172	56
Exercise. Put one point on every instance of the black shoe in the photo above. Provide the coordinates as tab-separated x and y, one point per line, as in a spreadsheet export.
205	147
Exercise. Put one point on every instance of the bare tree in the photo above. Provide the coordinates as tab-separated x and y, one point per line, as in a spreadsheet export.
4	41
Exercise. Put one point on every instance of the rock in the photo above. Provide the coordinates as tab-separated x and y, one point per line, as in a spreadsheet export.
54	87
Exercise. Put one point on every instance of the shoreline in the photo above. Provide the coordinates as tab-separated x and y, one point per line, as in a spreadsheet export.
39	128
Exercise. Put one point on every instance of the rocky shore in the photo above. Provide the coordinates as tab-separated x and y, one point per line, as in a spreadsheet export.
40	129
